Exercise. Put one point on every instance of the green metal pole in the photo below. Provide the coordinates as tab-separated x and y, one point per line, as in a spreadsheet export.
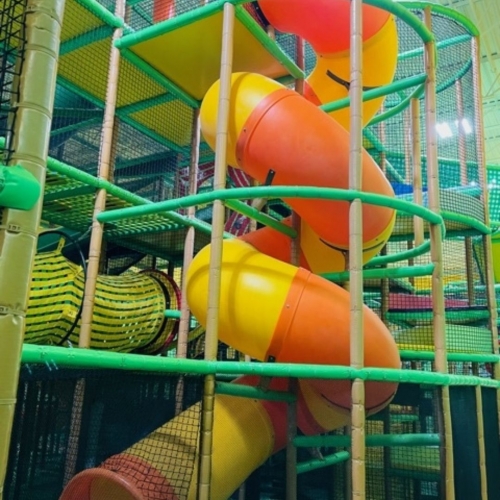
272	191
319	463
383	91
357	351
86	358
18	236
389	440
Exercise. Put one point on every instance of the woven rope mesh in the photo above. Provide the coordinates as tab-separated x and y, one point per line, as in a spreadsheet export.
392	141
12	14
116	409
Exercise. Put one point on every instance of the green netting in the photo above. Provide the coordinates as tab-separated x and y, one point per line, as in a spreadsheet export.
392	141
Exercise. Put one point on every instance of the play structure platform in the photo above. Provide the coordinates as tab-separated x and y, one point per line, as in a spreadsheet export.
248	250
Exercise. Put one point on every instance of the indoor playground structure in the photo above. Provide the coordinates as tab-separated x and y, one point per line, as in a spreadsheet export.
248	250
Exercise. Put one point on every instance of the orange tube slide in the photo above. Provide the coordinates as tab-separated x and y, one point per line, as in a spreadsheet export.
272	310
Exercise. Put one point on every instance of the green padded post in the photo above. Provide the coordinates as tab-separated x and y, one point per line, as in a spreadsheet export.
19	188
18	235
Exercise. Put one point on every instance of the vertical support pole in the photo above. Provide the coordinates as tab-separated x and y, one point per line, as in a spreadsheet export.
483	181
96	241
438	305
384	309
358	416
407	124
104	173
384	282
291	450
19	231
182	336
418	223
214	283
481	444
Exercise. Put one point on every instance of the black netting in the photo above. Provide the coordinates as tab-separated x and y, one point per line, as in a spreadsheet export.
11	58
70	420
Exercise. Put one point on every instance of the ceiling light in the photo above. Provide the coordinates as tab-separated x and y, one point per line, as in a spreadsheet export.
444	130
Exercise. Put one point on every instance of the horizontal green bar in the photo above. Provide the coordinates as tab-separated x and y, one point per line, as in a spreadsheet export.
86	358
458	317
368	95
273	191
442	44
404	13
172	313
418	475
102	13
63	194
466	221
267	42
112	189
159	78
400	107
76	126
384	273
246	391
150	133
400	256
172	24
456	357
319	463
372	440
444	11
133	123
145	104
261	217
80	41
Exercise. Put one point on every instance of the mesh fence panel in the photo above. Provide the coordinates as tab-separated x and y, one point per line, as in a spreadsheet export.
70	420
392	141
12	14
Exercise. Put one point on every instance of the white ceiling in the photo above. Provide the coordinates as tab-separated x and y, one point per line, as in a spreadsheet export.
486	15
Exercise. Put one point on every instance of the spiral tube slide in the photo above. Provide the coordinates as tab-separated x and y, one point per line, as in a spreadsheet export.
271	309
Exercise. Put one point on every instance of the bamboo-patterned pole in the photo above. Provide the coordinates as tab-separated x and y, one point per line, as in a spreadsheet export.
438	305
464	180
291	450
483	181
104	173
214	284
418	223
481	443
29	144
185	321
407	124
384	310
384	284
358	416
